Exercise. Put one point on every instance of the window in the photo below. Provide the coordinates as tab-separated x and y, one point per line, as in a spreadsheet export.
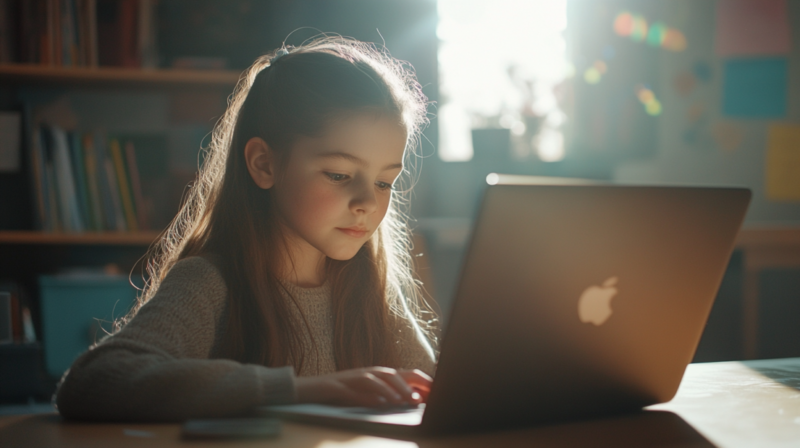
500	64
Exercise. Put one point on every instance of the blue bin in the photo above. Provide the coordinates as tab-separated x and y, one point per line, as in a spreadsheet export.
77	311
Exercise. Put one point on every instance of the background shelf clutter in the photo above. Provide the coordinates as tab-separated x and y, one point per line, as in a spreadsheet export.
87	182
79	33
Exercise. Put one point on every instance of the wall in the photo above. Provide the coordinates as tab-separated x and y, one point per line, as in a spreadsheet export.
711	156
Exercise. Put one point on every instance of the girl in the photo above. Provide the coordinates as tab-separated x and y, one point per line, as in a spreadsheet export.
285	278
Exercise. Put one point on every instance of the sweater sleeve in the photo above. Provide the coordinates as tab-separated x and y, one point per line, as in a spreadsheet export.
157	368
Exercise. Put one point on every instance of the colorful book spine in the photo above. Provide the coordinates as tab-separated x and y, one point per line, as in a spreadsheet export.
67	194
126	198
91	32
38	173
90	160
136	185
79	173
48	182
105	184
68	32
116	203
65	22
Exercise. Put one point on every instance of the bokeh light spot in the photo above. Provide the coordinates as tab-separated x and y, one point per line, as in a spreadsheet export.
657	34
592	75
653	107
601	67
674	40
623	24
645	95
550	145
639	31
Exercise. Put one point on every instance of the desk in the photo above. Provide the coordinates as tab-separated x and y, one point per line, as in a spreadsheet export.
727	404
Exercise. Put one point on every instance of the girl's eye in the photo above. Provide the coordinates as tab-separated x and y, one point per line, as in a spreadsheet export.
336	177
383	185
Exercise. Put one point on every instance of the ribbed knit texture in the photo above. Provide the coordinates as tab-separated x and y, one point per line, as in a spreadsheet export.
162	366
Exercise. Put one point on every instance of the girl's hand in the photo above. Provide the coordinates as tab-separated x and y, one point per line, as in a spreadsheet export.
368	387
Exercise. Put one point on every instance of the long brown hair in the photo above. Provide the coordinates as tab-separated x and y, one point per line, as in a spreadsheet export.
228	219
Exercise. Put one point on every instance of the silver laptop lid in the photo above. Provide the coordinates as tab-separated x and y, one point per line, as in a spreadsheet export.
578	299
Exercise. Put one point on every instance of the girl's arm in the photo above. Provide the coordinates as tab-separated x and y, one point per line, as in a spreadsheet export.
157	367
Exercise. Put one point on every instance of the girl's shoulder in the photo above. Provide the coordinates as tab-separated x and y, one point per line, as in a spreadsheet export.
193	279
196	268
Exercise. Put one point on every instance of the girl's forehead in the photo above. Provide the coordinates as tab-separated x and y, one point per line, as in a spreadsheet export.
362	121
370	137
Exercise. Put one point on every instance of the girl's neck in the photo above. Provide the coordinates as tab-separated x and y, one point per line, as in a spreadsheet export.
307	266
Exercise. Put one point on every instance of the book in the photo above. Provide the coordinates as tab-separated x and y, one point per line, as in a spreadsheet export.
67	32
126	198
116	205
136	186
128	39
65	181
104	183
83	33
148	52
37	180
90	161
91	32
108	35
148	161
8	31
79	173
53	211
54	17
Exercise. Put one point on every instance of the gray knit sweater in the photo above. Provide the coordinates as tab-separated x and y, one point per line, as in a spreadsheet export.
162	365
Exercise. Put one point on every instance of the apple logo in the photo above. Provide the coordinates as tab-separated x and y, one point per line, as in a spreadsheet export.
595	303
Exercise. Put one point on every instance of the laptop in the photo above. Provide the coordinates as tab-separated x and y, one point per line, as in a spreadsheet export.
575	300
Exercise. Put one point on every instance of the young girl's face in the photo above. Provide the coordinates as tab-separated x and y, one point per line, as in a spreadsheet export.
335	189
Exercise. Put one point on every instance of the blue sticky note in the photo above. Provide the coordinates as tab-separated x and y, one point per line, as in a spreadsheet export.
755	88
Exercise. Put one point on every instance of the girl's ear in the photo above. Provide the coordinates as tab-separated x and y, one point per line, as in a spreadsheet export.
261	162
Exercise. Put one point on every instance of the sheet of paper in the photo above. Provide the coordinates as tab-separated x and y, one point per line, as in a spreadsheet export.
752	27
783	163
10	131
755	88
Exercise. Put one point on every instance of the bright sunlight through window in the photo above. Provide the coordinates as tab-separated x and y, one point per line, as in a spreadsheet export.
499	63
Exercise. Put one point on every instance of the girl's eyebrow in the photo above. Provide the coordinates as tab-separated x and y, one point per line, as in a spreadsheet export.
356	160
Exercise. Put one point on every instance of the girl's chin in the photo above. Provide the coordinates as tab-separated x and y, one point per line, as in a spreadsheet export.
343	255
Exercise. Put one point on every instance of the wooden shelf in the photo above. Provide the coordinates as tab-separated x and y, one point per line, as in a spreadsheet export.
39	75
87	238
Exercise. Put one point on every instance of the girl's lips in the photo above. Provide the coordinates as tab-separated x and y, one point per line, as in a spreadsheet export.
353	231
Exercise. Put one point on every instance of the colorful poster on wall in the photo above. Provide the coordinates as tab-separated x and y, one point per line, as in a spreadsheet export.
783	163
752	28
755	88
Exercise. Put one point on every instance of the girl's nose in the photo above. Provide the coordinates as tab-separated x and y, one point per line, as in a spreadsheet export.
364	200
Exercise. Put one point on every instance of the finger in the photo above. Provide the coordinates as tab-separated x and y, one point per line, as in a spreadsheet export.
419	381
369	383
334	391
346	396
393	379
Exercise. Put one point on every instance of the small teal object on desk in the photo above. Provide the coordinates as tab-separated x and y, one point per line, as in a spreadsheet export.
77	311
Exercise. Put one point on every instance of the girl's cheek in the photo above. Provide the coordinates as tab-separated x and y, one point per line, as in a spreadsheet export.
322	199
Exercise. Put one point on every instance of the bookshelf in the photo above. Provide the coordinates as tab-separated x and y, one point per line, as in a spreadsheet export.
42	75
88	238
96	114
